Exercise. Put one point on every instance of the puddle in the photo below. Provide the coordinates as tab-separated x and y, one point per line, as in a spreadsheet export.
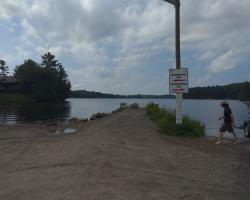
69	130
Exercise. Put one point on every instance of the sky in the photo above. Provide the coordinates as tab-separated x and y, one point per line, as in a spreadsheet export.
128	46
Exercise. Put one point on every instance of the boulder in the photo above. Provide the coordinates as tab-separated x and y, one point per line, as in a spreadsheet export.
74	119
78	120
84	120
93	117
134	106
98	115
101	115
59	131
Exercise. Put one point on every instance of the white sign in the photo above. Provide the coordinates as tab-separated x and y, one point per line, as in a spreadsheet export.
178	80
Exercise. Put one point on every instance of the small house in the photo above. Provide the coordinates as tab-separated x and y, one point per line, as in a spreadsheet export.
8	84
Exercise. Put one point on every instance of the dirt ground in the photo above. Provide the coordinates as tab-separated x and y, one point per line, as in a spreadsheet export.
119	157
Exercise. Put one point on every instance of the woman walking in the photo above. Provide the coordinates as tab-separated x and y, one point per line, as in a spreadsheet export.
228	123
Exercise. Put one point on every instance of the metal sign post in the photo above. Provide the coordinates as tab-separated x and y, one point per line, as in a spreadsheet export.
176	3
178	60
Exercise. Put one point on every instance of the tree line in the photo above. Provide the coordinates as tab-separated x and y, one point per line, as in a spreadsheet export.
44	82
92	94
240	91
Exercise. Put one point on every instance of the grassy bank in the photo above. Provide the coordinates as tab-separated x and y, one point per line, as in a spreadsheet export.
166	122
14	97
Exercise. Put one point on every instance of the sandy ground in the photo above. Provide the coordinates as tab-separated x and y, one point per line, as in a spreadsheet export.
122	156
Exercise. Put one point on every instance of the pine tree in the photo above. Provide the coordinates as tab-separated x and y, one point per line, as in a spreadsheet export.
4	69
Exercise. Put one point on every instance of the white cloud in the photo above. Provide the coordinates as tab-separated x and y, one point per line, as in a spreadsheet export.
201	81
224	62
207	55
107	41
9	9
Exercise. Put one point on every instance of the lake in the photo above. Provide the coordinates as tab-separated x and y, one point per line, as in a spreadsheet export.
207	111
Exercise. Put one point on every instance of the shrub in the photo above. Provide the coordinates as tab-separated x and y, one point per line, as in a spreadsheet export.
123	105
165	120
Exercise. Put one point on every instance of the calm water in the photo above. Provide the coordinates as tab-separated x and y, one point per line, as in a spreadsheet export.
207	111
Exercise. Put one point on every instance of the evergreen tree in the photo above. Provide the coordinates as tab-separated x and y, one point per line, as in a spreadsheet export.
49	62
239	91
26	74
59	85
47	82
4	69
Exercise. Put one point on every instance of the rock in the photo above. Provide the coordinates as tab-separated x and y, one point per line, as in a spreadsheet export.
73	119
117	110
84	120
134	106
60	131
78	120
93	117
98	115
101	115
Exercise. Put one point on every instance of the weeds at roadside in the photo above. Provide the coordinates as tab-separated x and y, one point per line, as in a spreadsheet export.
165	120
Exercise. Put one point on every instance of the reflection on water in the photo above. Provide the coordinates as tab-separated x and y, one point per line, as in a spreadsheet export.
206	111
11	113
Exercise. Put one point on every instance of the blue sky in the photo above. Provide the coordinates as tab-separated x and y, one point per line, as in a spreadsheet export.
127	46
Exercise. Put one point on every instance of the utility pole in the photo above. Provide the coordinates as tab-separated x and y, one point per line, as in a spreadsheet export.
177	5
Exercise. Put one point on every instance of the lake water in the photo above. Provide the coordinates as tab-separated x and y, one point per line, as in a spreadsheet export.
207	111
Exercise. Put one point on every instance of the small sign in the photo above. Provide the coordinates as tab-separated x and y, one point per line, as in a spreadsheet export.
178	80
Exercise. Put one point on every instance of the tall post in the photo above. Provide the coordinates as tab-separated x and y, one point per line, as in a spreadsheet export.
177	34
177	5
178	60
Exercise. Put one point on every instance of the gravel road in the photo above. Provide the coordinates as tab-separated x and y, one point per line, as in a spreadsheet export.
119	157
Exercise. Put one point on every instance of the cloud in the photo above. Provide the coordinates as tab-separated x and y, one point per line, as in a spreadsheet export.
106	43
9	9
224	62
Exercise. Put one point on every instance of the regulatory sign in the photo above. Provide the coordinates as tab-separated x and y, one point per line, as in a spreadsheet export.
178	80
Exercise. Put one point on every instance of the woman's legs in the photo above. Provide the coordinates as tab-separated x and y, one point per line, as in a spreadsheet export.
219	141
237	141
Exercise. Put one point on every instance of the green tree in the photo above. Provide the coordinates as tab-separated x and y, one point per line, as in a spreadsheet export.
4	69
49	62
232	91
26	74
59	85
47	82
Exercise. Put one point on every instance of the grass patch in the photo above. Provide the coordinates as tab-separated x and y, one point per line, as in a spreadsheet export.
123	105
165	120
14	97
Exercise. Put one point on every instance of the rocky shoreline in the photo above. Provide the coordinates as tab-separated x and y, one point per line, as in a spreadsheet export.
54	122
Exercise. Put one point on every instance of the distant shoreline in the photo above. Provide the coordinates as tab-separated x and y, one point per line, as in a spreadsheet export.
119	98
20	98
93	94
235	91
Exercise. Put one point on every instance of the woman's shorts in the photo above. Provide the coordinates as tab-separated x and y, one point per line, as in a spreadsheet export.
226	127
